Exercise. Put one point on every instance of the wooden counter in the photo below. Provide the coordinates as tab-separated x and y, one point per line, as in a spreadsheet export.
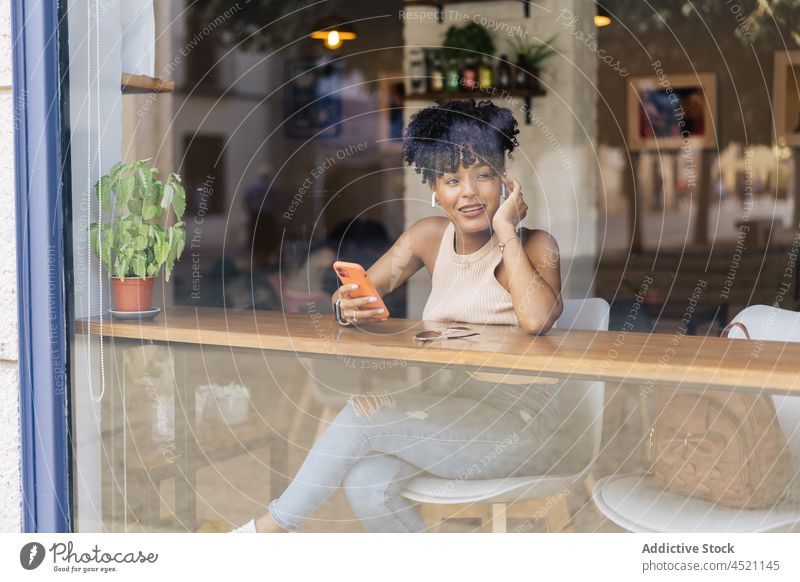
663	359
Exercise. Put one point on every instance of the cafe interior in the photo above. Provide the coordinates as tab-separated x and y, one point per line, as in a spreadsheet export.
658	144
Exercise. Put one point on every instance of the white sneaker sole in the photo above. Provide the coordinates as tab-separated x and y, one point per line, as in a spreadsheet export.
249	527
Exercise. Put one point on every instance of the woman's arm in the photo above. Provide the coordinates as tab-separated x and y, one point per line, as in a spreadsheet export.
535	280
532	264
408	254
403	259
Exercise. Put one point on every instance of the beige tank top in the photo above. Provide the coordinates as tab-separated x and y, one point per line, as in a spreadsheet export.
464	289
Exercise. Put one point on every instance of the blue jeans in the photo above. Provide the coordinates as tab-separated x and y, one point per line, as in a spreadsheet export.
375	446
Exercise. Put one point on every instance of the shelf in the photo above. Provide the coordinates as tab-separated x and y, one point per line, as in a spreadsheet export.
477	94
490	93
439	4
140	84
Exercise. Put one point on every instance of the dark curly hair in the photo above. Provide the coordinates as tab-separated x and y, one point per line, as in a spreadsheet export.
458	131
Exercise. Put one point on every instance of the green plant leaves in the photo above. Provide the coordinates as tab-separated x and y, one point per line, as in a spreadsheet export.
461	41
534	53
142	179
107	243
175	242
135	206
166	198
130	245
124	191
120	267
139	265
178	195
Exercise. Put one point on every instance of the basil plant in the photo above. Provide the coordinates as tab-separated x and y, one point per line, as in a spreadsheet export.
132	244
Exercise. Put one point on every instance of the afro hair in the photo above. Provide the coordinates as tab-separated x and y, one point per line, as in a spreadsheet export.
441	137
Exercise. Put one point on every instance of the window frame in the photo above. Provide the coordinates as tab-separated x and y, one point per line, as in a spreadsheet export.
40	154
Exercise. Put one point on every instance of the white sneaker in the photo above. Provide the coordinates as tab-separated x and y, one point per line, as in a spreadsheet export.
249	527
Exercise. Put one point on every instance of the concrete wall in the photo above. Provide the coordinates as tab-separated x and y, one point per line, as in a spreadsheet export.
10	495
556	161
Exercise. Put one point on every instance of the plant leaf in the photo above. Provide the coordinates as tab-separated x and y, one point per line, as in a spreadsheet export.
107	244
154	200
138	265
143	179
179	197
149	211
142	238
181	241
135	206
166	197
161	252
120	266
124	192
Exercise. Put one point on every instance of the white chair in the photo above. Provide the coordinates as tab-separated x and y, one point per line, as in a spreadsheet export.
576	444
632	502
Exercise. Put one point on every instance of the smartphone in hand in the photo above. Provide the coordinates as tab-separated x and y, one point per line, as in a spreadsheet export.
350	273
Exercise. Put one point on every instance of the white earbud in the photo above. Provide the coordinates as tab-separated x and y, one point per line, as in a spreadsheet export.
433	199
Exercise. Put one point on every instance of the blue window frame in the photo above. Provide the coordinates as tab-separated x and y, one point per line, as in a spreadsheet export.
40	156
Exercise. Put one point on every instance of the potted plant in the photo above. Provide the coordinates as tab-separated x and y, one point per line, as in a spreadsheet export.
465	46
530	56
133	247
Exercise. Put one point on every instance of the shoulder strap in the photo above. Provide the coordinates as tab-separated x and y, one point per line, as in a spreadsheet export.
738	325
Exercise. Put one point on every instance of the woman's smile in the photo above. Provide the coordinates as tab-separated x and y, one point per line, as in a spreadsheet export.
472	209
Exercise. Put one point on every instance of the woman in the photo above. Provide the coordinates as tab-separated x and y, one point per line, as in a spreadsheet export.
482	272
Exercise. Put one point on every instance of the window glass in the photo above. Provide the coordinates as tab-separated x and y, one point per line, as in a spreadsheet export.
223	155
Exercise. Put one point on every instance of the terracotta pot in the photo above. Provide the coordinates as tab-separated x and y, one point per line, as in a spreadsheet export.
133	294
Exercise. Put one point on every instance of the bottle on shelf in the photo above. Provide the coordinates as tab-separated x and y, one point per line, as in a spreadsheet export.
504	73
452	80
437	74
485	74
470	74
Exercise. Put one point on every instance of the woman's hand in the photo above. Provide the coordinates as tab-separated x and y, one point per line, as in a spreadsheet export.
512	211
357	309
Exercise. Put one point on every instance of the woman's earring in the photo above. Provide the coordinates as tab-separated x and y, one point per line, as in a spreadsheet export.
433	199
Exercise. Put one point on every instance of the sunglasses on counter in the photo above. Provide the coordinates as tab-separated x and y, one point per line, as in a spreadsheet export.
452	332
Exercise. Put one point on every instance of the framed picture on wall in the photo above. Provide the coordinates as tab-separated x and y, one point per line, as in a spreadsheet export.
672	111
786	98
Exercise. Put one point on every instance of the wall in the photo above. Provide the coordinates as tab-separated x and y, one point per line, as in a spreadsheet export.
691	45
685	45
556	159
10	494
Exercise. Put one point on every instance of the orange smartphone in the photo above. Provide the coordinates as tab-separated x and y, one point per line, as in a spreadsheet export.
350	273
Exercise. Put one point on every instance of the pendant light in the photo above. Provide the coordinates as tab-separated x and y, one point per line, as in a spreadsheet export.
332	32
602	18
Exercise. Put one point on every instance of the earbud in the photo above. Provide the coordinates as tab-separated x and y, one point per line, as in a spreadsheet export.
433	199
502	191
